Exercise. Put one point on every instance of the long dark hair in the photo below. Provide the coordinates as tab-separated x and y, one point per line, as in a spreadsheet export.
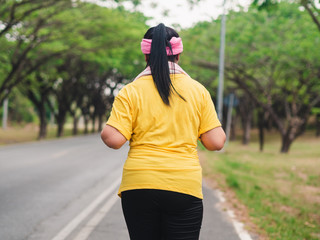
158	59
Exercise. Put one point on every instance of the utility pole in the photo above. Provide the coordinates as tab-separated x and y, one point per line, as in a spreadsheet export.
221	64
5	113
229	117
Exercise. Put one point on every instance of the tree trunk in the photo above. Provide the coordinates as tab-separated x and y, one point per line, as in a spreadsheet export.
295	128
75	125
233	128
43	123
268	122
39	104
100	122
261	129
246	120
93	124
318	125
86	123
61	121
246	113
60	129
286	144
247	129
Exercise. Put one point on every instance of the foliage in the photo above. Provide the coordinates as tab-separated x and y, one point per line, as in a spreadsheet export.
311	6
271	56
22	110
102	50
201	43
61	56
23	23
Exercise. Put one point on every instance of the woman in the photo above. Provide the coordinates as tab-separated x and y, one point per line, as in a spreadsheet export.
163	113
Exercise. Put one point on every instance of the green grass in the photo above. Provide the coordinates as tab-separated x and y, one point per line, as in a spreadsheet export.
281	191
29	133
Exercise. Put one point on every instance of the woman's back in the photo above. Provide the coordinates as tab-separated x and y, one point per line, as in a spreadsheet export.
155	123
162	137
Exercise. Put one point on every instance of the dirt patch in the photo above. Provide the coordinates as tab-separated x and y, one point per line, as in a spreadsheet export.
309	194
302	176
286	209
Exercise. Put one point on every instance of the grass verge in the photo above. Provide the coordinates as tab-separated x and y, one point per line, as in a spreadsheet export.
280	191
29	133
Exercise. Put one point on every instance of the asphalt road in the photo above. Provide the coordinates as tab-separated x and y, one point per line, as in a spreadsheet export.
66	189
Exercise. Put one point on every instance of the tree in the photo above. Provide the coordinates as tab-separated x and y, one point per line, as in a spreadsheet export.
246	111
87	44
282	78
271	57
14	13
38	91
309	5
24	23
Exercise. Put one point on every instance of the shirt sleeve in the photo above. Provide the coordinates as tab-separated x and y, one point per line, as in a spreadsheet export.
209	118
121	114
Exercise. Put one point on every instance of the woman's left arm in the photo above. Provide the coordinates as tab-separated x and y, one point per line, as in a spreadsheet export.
112	137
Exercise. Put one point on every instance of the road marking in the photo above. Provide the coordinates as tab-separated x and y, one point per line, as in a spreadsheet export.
60	154
65	232
238	226
96	219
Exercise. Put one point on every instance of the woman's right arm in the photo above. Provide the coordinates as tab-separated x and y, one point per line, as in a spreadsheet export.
112	137
213	139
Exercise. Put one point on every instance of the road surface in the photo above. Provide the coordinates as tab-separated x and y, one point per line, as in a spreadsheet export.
66	190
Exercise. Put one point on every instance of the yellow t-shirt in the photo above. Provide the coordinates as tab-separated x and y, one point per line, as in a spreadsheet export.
163	139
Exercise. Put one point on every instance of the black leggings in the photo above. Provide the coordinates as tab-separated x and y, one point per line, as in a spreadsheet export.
161	215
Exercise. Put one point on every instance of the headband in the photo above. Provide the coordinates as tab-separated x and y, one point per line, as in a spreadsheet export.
176	44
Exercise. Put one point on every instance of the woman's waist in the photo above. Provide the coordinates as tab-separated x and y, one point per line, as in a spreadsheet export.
128	167
179	150
140	161
188	182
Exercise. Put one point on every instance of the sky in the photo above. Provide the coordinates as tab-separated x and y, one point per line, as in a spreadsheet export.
180	13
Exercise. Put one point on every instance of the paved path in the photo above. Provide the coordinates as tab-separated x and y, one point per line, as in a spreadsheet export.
65	190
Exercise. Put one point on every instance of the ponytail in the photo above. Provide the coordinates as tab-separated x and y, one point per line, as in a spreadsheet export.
158	59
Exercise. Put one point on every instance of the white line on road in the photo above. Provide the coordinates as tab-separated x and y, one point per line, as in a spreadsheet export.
242	233
65	232
60	154
96	219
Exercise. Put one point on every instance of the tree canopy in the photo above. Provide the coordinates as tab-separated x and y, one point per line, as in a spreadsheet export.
271	56
63	66
70	58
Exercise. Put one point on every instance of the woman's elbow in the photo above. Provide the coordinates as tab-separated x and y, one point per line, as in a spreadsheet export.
110	142
221	142
114	145
219	145
214	140
112	137
216	146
